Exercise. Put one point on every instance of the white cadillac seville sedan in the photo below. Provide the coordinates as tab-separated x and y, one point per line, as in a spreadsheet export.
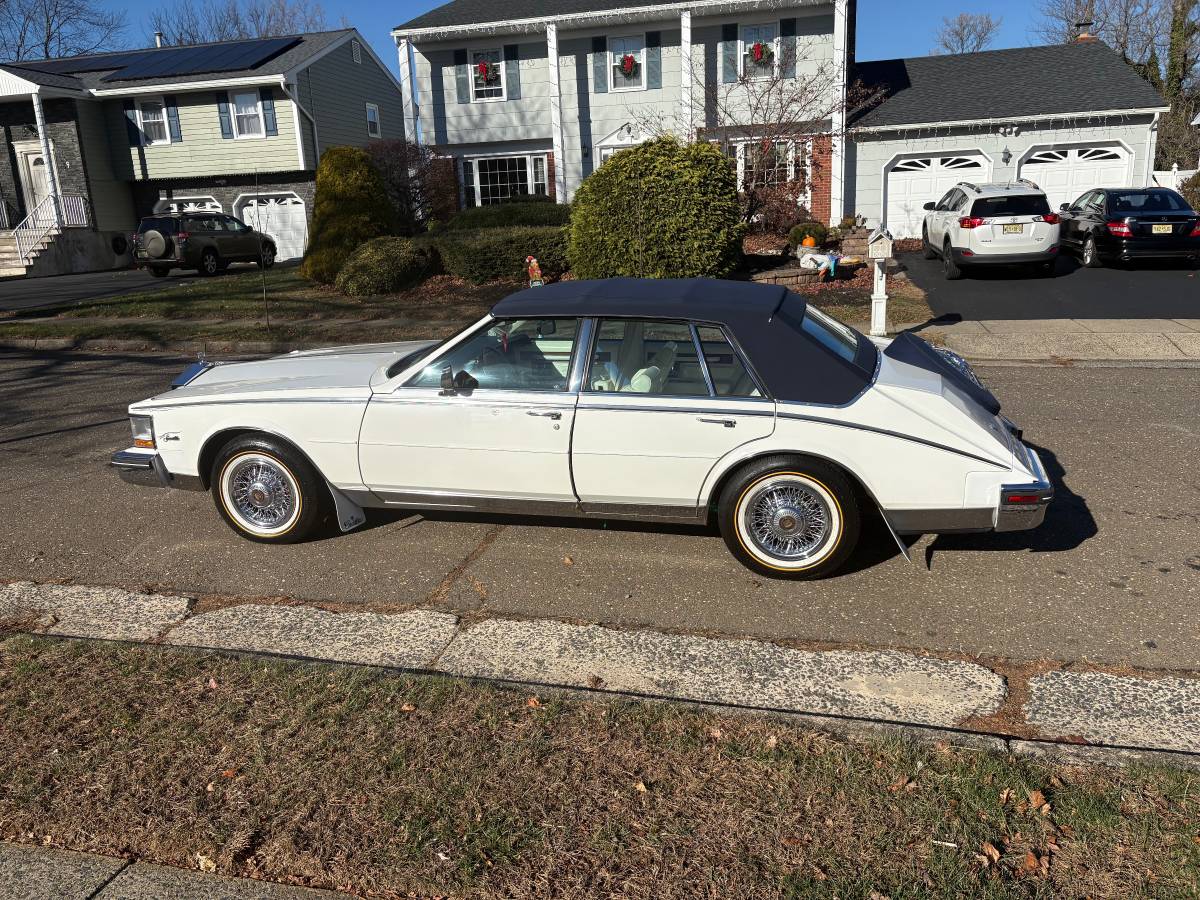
675	401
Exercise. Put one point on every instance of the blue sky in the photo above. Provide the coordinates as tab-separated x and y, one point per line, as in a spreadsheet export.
885	29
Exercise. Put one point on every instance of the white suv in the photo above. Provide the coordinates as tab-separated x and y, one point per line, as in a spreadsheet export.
991	224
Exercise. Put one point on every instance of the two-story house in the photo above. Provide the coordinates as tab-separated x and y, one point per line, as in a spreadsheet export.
531	96
94	143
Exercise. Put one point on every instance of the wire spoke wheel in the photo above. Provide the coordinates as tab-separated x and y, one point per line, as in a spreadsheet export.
789	520
260	494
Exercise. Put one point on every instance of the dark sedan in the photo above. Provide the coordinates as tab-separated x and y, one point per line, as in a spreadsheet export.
1122	224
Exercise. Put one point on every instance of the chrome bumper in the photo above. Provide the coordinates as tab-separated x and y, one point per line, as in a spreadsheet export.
143	467
1023	506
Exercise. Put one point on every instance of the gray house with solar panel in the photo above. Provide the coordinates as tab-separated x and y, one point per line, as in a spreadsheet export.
92	144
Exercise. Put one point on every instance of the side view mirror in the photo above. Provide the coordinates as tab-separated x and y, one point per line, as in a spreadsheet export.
1063	207
448	379
452	384
929	206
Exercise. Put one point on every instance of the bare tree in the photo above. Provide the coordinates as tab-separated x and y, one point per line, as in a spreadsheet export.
1134	28
39	29
203	21
966	33
420	181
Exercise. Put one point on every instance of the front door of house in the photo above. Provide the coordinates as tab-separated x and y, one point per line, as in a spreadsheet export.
35	176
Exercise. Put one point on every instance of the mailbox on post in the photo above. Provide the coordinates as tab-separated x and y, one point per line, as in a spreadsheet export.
879	251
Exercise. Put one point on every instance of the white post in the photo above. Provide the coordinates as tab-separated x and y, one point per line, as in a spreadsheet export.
837	153
407	83
556	126
879	299
39	119
685	73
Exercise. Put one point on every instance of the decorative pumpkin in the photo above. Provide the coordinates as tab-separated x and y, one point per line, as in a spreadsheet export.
809	241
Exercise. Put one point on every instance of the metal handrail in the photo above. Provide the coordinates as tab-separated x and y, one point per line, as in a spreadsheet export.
44	220
5	219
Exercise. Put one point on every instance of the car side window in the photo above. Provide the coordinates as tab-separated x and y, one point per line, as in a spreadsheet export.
510	355
637	356
943	204
726	369
201	224
1096	201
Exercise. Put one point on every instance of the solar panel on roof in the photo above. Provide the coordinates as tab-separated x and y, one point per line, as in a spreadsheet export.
88	64
231	57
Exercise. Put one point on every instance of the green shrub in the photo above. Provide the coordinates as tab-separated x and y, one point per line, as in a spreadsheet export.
804	229
503	215
1191	191
384	266
490	253
658	210
351	208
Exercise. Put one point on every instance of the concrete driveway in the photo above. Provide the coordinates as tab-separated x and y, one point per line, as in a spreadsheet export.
1113	576
1143	291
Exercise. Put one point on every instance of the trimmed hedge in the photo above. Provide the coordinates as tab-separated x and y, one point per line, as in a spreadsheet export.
384	266
804	229
1191	191
351	208
499	253
658	210
503	215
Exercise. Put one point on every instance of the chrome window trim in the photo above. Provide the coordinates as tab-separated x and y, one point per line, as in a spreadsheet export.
221	402
502	398
691	410
581	361
712	391
745	360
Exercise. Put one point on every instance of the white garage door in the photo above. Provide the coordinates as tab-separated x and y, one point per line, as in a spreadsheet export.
282	216
914	182
1066	172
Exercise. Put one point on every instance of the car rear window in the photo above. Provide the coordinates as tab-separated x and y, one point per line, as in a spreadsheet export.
163	224
1011	205
831	333
1146	201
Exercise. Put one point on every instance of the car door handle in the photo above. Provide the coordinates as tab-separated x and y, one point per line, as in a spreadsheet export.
728	423
545	413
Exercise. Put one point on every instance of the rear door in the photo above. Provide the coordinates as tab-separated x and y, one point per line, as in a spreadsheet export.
1013	223
655	415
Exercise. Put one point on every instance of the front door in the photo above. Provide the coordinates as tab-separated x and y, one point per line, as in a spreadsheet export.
653	420
504	440
35	178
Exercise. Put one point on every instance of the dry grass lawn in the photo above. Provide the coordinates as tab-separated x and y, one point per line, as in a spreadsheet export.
392	786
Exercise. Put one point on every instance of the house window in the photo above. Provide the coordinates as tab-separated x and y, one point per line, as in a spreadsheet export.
498	179
247	116
487	75
152	119
374	129
769	163
627	63
760	51
356	51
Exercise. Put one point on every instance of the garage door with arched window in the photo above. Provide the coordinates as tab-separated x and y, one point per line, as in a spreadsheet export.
911	183
282	216
1065	173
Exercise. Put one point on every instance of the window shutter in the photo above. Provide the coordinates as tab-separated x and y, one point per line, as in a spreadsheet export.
131	125
787	47
653	60
462	77
512	71
266	95
223	115
729	53
173	120
600	65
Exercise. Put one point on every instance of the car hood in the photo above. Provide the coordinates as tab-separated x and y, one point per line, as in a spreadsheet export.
336	371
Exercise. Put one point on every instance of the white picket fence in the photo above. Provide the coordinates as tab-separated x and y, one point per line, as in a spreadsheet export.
1174	177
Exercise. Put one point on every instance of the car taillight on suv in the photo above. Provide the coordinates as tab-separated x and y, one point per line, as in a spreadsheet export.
971	222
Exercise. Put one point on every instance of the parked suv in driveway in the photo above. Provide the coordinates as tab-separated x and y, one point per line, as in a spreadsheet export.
205	241
1131	223
991	224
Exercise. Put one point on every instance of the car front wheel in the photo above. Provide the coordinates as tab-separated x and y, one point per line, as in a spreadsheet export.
267	492
790	517
1091	256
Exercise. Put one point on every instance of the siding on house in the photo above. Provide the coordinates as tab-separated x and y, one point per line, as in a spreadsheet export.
202	151
112	200
336	92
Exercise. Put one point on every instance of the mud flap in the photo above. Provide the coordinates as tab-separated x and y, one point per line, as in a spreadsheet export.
349	513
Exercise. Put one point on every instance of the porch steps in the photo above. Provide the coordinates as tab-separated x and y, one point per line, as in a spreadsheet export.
11	264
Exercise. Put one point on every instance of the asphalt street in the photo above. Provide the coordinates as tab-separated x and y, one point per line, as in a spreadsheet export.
1113	576
1146	290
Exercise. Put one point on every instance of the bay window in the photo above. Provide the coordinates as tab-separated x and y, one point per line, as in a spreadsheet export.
498	179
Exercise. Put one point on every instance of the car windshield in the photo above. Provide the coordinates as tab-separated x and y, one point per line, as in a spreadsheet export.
1011	205
1134	202
831	334
163	224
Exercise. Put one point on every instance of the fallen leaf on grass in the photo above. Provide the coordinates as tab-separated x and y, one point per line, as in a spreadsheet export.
792	842
533	702
1037	802
772	742
1006	796
1030	863
819	873
408	707
212	683
715	733
567	561
641	788
205	863
229	773
990	854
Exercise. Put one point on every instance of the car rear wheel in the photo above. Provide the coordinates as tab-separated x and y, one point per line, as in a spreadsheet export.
790	517
949	267
927	251
267	492
1091	256
210	263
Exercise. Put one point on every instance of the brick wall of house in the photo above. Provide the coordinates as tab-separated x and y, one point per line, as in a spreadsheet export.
17	124
822	177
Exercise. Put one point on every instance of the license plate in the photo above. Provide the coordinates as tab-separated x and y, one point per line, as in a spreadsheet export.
1163	229
1014	229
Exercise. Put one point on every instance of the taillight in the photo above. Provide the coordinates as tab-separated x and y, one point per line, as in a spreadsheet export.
1195	230
182	238
970	222
1119	229
1051	218
1024	497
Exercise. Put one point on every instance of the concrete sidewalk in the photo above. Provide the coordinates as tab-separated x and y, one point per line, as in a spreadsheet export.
1030	340
43	873
1058	710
